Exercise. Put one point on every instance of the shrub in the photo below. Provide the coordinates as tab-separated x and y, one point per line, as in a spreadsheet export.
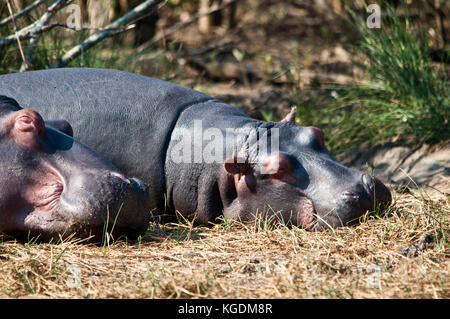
407	99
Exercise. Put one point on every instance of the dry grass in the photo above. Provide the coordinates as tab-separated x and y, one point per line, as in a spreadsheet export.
403	255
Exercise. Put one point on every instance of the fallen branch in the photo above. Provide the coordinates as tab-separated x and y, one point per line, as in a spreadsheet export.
29	52
21	13
211	47
184	24
49	27
109	31
36	27
226	71
31	48
33	43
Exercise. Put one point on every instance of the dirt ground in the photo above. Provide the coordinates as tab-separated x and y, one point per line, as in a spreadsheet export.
402	255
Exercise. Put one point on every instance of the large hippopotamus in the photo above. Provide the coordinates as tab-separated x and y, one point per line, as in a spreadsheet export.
200	156
53	185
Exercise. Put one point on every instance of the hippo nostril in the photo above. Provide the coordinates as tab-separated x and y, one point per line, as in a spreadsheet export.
121	176
140	184
135	182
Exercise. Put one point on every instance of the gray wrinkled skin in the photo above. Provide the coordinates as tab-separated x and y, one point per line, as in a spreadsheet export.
132	119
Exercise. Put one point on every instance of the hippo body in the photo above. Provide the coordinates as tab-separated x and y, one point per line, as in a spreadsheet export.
136	122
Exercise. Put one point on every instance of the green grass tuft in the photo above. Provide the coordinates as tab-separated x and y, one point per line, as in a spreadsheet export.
406	98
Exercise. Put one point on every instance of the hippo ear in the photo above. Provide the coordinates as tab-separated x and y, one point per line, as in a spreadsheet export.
237	165
291	116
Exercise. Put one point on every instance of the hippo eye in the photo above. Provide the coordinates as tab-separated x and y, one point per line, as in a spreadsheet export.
279	167
26	119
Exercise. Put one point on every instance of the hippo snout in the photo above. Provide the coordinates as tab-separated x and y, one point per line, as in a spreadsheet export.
378	194
99	201
368	195
130	207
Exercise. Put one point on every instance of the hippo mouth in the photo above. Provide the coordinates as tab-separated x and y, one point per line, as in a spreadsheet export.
304	216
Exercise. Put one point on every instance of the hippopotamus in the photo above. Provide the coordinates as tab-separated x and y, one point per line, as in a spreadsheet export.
54	186
172	137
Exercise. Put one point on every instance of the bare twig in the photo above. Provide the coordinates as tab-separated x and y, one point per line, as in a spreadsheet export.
36	27
11	12
31	48
29	52
21	13
49	27
32	45
109	31
184	24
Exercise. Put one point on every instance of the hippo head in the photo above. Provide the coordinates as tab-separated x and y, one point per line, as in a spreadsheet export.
302	183
53	185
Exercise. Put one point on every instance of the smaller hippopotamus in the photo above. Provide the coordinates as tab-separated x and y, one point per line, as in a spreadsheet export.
53	185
